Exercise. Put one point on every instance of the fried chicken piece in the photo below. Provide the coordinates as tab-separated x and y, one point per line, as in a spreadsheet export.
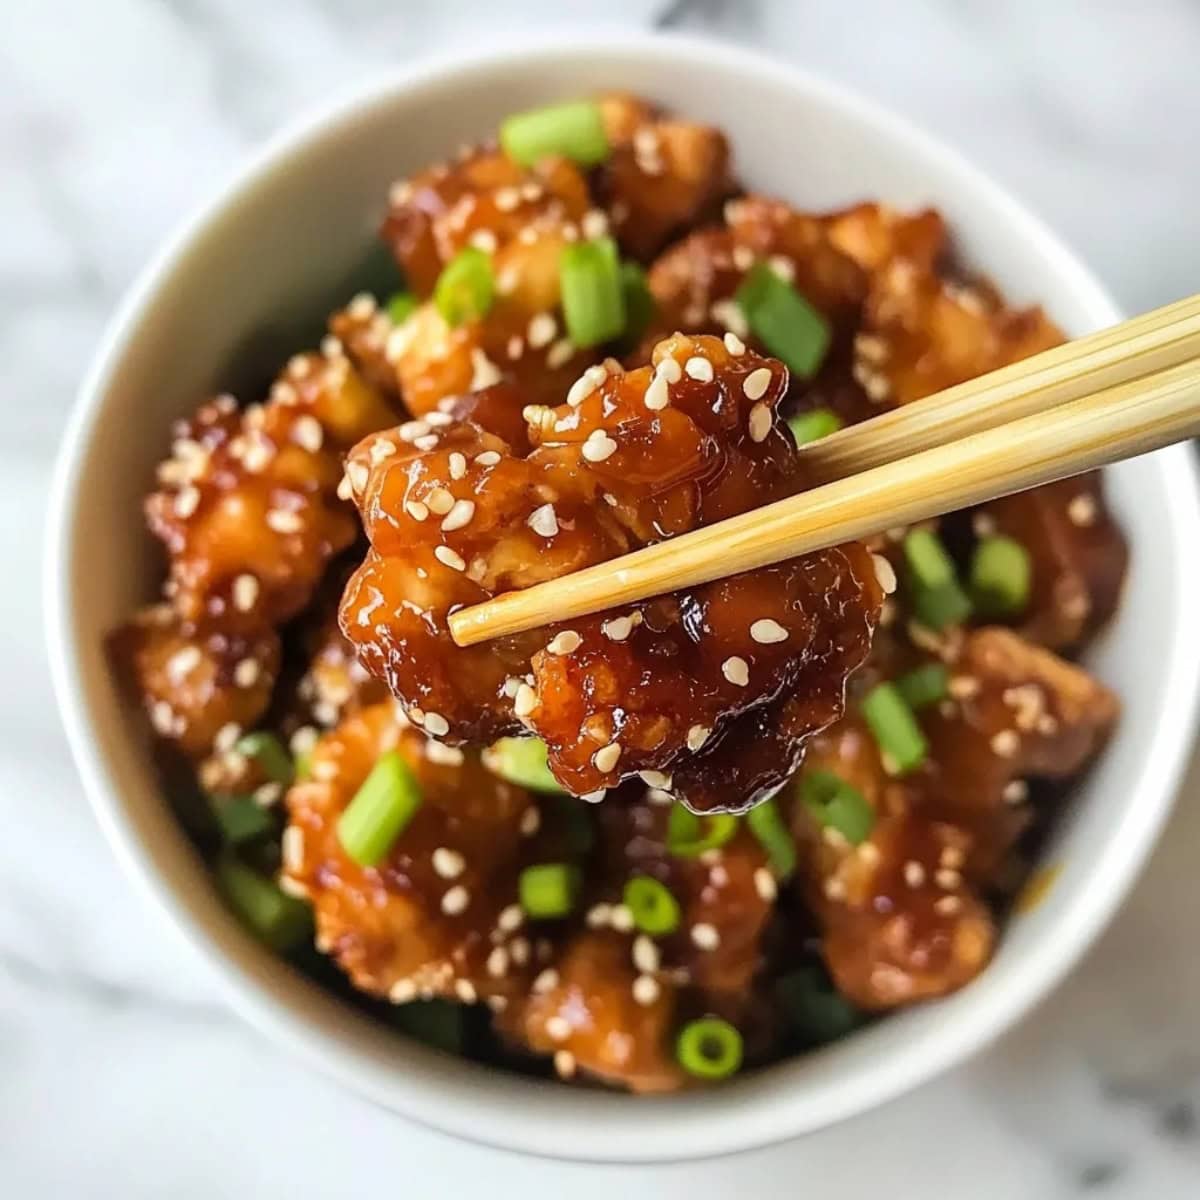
1078	552
438	917
248	511
663	176
631	458
901	913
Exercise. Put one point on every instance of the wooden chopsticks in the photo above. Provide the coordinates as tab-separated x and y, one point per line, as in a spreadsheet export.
1113	395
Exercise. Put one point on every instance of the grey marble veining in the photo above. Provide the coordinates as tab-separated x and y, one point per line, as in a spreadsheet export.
121	1070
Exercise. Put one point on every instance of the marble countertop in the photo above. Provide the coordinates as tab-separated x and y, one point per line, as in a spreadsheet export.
121	1071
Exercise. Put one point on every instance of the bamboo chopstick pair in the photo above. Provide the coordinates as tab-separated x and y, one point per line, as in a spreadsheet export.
1112	395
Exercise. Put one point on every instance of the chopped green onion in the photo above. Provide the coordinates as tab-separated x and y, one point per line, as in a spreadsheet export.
773	835
924	686
655	910
709	1048
465	289
938	600
267	750
241	818
549	889
574	130
836	804
1001	576
521	760
812	426
817	1011
895	728
689	836
783	320
437	1023
593	298
303	765
281	921
380	811
401	306
639	302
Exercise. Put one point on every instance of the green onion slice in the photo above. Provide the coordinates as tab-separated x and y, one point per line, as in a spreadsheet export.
549	889
709	1048
523	761
895	728
241	818
938	600
773	835
380	811
465	289
639	302
818	1013
401	306
924	686
837	804
814	425
1001	576
783	320
593	297
279	920
689	836
655	910
268	751
574	130
437	1023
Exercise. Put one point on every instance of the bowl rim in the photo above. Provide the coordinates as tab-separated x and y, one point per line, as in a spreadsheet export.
685	1128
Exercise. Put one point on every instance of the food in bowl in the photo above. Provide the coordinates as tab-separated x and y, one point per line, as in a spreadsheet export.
670	842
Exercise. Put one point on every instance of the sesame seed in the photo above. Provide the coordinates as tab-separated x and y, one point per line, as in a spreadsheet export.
705	936
489	458
621	918
358	474
525	700
531	821
447	863
484	372
656	779
1082	510
598	446
247	672
560	353
699	369
558	1029
736	670
947	879
459	515
733	343
619	628
764	885
511	917
497	963
1005	743
544	521
436	724
455	900
162	717
606	758
947	906
646	990
307	433
541	331
226	736
564	1064
447	756
783	267
835	888
658	395
283	521
292	848
1016	792
594	223
758	423
440	501
697	735
416	510
546	981
187	499
464	989
669	369
755	385
458	465
485	240
885	574
566	642
646	956
331	347
659	797
402	991
515	347
598	915
183	662
964	687
766	631
914	873
449	558
362	306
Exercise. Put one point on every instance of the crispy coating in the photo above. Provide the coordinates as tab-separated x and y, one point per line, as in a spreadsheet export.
631	458
902	914
425	921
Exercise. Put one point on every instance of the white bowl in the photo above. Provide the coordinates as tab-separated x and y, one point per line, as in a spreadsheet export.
274	251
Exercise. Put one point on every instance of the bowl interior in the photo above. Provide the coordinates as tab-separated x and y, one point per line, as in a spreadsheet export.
251	280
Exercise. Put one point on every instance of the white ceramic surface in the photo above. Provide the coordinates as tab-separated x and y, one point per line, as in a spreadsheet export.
274	250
